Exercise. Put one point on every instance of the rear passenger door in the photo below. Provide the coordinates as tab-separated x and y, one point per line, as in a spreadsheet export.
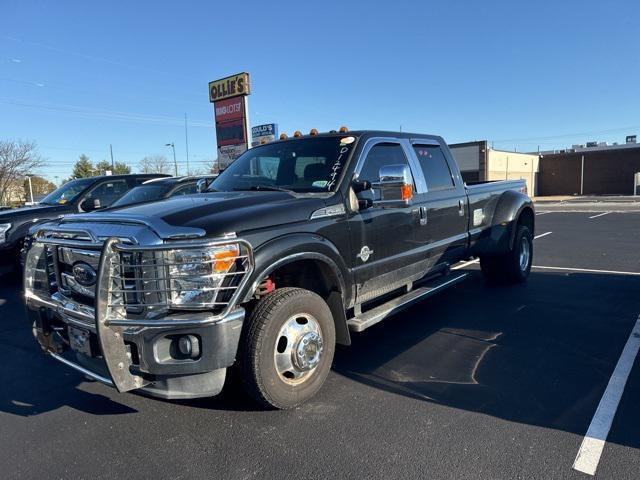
443	231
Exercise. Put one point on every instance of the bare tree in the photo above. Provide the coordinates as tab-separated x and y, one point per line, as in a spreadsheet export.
154	164
17	159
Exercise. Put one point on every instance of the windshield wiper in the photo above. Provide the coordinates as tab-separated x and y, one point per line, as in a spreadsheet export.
269	188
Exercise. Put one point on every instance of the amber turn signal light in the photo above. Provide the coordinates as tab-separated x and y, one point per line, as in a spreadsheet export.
406	192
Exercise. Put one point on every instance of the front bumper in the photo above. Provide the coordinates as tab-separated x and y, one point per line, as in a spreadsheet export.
132	354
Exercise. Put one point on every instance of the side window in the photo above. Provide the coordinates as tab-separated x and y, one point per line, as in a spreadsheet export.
109	192
380	155
187	189
434	167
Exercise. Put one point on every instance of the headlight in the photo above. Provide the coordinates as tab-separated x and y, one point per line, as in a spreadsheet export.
201	277
4	227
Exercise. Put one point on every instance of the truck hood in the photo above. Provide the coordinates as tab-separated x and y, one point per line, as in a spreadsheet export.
32	213
217	213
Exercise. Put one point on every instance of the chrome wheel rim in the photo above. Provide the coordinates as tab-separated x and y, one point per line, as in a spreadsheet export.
525	253
298	348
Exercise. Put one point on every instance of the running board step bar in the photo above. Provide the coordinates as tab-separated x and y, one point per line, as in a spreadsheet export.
379	313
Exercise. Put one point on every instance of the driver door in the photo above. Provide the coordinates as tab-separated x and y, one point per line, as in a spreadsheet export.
383	240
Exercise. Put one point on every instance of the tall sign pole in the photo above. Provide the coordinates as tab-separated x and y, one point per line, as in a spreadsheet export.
229	98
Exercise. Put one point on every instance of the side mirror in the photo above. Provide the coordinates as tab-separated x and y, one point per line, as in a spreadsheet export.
395	185
202	185
90	204
360	185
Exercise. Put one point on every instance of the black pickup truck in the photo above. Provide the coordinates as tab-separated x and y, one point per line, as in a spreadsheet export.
80	195
297	244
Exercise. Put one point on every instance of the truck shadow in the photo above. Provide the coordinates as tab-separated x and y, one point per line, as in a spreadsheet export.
539	354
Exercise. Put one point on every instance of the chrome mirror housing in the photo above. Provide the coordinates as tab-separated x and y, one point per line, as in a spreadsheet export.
395	185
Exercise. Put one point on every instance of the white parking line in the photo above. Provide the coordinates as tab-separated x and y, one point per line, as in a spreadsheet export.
542	213
593	443
600	215
588	270
465	264
542	235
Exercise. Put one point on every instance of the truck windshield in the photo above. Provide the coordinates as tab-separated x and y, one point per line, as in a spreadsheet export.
67	192
298	165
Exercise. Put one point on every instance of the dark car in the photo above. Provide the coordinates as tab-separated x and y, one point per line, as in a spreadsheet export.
77	196
159	188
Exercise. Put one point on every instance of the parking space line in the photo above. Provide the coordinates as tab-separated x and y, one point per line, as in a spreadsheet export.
542	235
587	270
542	213
600	215
593	443
465	264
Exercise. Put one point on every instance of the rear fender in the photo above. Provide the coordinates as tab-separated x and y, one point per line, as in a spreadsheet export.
510	209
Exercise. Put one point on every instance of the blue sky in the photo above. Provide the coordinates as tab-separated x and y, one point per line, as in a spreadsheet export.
78	76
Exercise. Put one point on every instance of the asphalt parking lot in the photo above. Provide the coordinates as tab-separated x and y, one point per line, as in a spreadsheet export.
478	382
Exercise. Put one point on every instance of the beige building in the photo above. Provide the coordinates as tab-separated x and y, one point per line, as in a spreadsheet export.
479	162
502	165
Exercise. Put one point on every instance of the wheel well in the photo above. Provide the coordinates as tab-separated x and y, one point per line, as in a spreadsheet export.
311	275
320	278
527	219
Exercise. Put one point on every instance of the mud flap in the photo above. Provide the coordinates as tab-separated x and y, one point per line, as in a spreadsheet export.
109	306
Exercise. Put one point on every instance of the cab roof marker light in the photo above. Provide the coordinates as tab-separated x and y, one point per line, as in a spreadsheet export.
283	136
297	133
343	129
313	132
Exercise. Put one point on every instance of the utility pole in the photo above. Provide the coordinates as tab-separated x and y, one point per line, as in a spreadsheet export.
186	141
175	163
111	151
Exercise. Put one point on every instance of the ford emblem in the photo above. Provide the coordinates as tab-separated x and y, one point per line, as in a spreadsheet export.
84	274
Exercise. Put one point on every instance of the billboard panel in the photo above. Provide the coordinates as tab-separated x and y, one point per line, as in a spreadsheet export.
263	133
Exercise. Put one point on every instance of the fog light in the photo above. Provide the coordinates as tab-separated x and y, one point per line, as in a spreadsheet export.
189	346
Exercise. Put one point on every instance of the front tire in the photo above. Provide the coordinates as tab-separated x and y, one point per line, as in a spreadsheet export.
287	348
513	266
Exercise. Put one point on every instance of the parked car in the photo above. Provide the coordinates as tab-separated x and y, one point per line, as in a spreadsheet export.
81	195
298	243
160	188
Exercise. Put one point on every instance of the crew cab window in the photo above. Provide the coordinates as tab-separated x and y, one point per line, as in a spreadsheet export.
108	192
434	167
379	156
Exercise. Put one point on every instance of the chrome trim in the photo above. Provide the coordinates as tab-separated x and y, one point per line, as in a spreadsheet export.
111	338
330	211
237	314
82	370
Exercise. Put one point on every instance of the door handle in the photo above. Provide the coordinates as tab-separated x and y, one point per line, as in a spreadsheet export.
423	215
461	208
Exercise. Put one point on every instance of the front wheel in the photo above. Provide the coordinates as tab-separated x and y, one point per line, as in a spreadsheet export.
287	348
513	266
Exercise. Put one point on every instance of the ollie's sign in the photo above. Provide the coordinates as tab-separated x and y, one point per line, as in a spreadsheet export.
230	110
228	87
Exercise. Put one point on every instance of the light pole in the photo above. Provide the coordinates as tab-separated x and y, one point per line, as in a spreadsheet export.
30	188
175	164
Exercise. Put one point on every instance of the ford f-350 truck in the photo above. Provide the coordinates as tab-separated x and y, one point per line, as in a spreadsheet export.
298	244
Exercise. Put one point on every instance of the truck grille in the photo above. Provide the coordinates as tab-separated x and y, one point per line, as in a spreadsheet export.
141	282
